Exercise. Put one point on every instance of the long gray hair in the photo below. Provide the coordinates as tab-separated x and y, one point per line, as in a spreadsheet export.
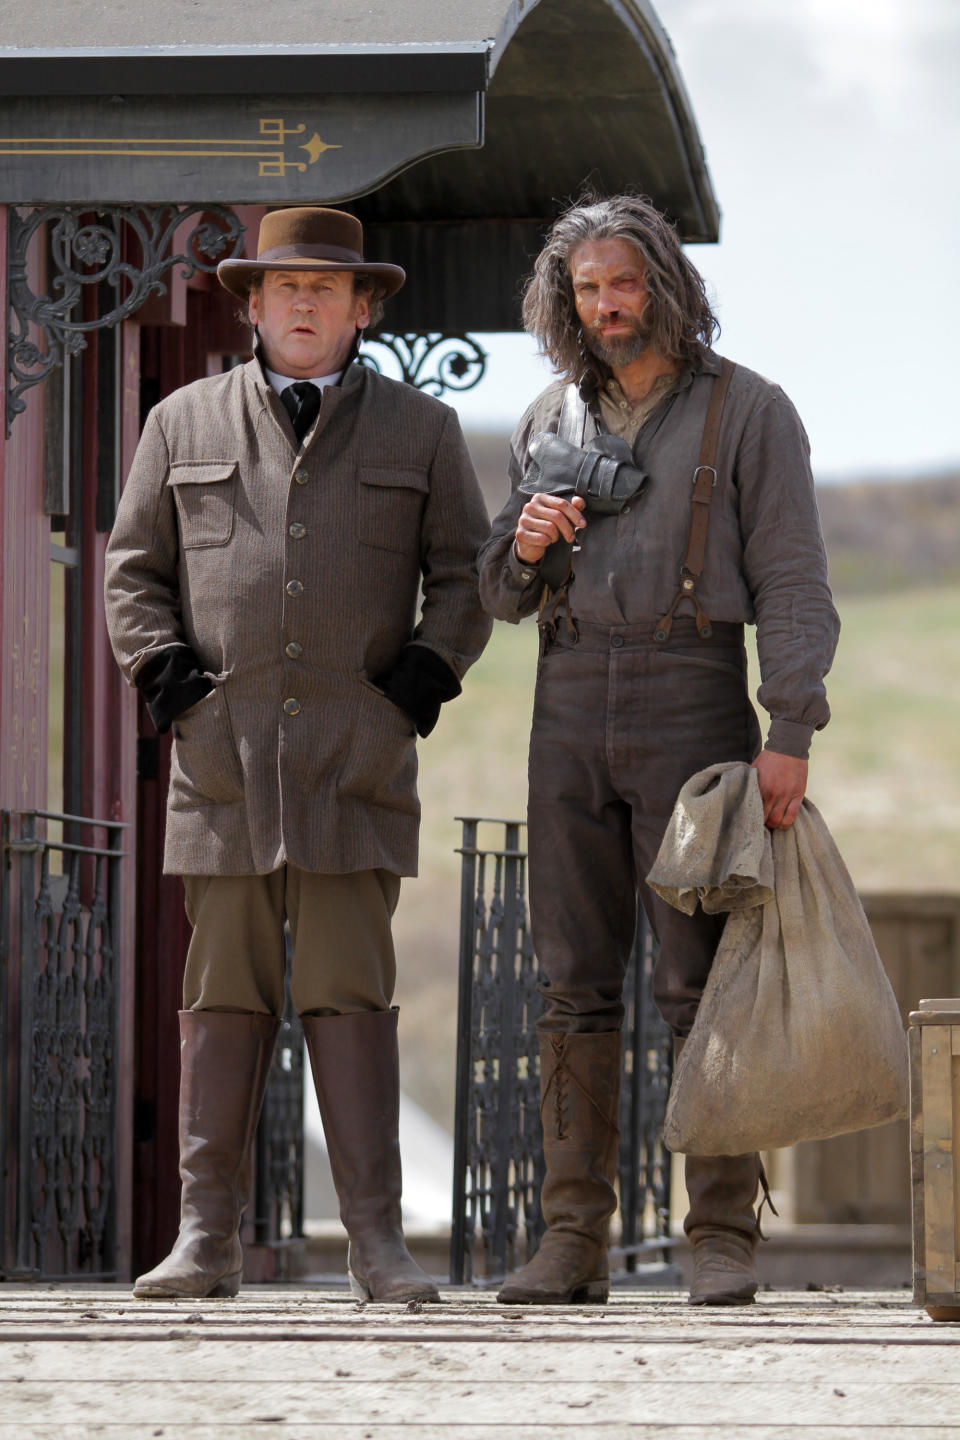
679	313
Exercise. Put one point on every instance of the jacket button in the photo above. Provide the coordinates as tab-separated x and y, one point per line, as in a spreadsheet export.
301	477
291	707
294	649
294	587
297	530
616	641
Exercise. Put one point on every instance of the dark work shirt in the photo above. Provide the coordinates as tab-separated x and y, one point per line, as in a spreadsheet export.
765	562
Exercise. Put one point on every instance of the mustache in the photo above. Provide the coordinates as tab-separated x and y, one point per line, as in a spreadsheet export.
631	321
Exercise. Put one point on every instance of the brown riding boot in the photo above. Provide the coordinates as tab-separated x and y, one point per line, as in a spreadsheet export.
224	1063
580	1096
722	1227
355	1067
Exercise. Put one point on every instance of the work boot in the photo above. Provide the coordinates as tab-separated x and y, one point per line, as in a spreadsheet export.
356	1071
722	1227
224	1063
580	1096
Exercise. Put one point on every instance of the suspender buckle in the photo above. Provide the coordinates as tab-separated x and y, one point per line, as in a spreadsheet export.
712	471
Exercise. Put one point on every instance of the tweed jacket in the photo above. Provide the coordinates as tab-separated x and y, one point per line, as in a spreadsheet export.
765	562
294	574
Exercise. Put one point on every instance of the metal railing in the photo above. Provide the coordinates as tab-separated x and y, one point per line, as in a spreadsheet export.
498	1148
58	997
278	1217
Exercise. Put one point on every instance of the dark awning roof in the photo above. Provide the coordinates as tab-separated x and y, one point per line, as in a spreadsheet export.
234	69
456	131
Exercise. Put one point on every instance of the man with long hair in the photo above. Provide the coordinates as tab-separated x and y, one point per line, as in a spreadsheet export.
661	499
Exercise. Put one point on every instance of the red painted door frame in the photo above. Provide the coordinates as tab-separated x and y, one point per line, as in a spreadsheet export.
171	354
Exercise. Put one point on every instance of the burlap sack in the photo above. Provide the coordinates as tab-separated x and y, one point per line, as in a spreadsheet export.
798	1035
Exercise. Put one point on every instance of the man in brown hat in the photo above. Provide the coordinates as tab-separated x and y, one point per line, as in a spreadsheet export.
262	590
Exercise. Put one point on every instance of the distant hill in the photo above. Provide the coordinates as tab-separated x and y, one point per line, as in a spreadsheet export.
885	535
881	535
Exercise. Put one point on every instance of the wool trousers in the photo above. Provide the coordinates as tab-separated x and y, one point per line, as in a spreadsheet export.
343	955
619	723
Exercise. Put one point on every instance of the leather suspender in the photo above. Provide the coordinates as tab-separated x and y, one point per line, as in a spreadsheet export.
704	482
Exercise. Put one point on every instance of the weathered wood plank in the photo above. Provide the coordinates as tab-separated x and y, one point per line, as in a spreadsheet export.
477	1429
464	1317
796	1366
542	1360
162	1403
915	1050
939	1191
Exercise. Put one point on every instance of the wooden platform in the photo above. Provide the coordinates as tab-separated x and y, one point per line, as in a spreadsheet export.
299	1363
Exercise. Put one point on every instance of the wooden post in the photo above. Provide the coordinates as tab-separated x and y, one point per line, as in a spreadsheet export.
935	1156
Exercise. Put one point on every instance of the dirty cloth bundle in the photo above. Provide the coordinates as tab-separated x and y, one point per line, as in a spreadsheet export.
798	1035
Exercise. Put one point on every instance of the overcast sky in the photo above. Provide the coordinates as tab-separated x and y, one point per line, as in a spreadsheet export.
832	131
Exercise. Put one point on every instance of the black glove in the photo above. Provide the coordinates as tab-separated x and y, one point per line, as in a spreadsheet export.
603	472
171	681
418	684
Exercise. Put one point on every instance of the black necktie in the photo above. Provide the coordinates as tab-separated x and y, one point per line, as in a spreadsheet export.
303	405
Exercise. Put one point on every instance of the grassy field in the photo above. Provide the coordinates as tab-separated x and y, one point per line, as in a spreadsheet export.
885	774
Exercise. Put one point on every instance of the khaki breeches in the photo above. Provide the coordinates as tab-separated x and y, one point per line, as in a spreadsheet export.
343	955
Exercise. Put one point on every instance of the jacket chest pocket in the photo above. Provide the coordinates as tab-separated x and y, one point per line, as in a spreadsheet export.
389	506
205	493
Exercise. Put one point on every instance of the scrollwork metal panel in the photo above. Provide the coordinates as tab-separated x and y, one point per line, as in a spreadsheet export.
67	1018
279	1145
644	1161
128	249
498	1144
498	1164
431	362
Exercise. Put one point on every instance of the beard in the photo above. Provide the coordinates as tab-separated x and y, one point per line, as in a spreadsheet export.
622	351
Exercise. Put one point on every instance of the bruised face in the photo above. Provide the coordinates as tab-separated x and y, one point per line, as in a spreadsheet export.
307	320
612	300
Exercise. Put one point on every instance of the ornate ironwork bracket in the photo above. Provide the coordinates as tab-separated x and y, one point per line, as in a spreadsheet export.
430	362
127	248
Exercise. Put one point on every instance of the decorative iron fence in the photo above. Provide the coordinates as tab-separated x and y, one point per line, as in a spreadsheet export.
278	1204
498	1152
58	1009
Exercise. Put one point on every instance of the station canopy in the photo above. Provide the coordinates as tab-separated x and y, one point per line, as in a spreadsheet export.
455	130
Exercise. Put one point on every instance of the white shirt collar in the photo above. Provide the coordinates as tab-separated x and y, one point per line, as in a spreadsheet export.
280	382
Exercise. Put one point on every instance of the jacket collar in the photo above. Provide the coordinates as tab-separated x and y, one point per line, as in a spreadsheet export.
264	397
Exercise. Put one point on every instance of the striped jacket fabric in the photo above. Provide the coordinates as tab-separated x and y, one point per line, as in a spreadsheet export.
296	574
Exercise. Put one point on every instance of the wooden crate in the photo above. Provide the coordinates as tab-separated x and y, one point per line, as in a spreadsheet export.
935	1156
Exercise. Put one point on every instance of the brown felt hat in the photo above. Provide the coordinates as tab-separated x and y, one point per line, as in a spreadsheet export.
307	237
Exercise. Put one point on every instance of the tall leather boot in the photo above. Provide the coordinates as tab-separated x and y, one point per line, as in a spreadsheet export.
224	1063
722	1227
356	1071
580	1097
